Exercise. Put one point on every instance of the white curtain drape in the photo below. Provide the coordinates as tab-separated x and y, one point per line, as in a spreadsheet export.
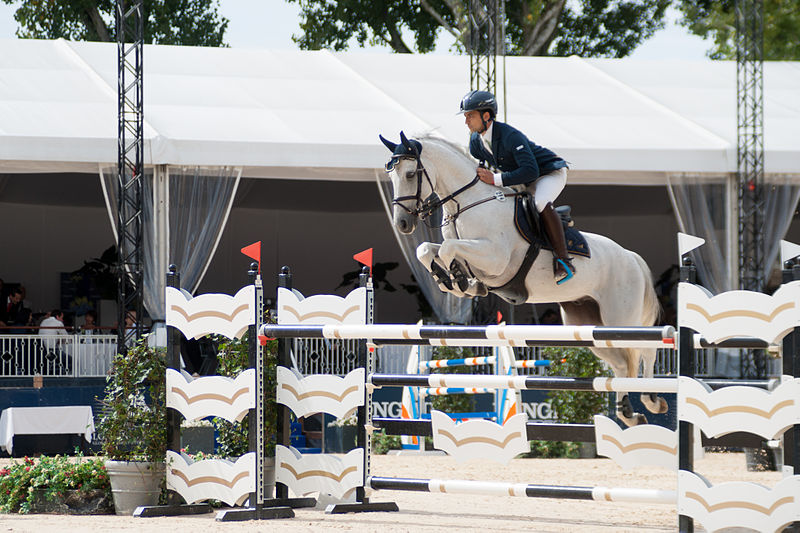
448	308
184	212
702	209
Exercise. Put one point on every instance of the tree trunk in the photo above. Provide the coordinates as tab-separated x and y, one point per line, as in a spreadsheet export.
96	21
538	38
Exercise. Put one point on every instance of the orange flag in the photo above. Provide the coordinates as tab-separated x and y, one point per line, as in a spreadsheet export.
365	258
253	251
499	317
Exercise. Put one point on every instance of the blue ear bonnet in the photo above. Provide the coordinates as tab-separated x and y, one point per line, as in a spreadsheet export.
404	149
401	149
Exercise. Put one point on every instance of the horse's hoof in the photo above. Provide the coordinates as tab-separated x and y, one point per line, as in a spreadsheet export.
441	277
459	276
634	420
662	406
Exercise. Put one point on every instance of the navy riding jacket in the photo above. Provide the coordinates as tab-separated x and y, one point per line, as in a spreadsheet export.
519	159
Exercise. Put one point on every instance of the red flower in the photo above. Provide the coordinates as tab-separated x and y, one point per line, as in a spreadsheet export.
27	469
4	472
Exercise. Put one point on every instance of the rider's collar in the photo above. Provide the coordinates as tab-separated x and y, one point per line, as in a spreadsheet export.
487	135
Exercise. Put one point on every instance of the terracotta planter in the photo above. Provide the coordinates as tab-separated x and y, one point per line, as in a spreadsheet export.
134	484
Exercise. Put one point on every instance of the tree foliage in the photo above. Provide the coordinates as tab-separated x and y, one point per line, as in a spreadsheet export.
596	28
181	22
716	20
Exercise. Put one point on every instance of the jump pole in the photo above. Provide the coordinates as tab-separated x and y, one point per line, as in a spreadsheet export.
499	488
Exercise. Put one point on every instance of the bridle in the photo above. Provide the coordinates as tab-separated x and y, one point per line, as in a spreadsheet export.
423	209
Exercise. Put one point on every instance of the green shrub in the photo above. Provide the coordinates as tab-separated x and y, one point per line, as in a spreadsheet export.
571	407
453	403
134	422
233	358
576	407
20	482
382	443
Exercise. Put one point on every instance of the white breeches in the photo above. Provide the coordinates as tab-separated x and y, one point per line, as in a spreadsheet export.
548	187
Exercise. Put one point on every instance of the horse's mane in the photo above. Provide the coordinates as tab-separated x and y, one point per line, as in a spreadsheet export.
456	149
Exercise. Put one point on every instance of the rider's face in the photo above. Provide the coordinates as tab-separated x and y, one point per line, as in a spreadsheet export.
473	121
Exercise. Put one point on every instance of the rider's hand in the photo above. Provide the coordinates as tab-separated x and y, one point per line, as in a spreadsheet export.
485	175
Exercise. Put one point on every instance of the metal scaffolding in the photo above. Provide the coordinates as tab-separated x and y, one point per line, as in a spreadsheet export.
486	42
750	157
130	166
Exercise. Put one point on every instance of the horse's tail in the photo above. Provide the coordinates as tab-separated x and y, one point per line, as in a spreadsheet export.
651	308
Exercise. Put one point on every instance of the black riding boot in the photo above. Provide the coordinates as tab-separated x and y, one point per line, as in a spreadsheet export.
562	263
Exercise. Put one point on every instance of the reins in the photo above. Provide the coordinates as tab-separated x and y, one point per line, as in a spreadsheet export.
425	208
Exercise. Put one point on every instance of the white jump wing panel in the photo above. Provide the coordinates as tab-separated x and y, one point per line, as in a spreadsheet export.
217	479
322	309
323	473
738	504
739	313
211	313
643	445
220	396
321	393
480	439
739	408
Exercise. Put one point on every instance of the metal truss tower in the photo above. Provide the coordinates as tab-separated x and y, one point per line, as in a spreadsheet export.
130	165
486	41
750	158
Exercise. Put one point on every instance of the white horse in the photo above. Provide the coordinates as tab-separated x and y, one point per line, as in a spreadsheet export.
482	249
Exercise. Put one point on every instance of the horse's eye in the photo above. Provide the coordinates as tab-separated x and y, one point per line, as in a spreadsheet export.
410	174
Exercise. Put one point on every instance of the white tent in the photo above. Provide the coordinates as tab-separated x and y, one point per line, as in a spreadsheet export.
292	114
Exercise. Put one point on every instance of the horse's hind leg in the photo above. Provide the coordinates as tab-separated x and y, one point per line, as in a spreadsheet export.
624	362
653	402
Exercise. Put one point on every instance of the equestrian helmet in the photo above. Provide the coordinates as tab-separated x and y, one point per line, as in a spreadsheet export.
479	101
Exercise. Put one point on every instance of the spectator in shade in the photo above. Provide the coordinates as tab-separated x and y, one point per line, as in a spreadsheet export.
51	329
24	323
90	326
53	325
11	308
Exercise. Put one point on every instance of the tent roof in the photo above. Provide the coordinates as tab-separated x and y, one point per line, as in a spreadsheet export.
295	114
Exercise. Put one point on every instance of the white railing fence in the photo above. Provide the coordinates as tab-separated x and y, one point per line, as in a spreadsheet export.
56	356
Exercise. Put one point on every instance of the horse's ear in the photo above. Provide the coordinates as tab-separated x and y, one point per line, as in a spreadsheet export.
388	144
405	142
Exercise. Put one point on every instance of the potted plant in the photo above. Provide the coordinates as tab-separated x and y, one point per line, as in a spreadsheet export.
133	427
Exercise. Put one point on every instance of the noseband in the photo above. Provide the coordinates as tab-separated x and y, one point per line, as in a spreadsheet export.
423	209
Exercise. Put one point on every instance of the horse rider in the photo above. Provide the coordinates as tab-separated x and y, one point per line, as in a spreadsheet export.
516	160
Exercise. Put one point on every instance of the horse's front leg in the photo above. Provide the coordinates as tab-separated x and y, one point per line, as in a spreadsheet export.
427	254
485	256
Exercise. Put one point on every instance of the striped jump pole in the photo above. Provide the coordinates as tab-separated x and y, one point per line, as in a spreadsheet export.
485	360
498	488
602	384
467	361
446	391
513	335
508	335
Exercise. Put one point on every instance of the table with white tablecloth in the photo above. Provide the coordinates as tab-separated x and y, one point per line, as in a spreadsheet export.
73	419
